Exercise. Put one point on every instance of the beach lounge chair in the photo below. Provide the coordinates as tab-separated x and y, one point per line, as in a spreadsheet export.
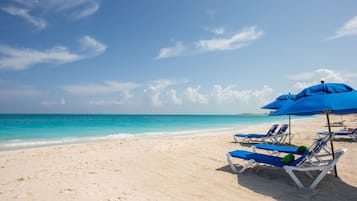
352	134
280	136
253	159
315	148
249	137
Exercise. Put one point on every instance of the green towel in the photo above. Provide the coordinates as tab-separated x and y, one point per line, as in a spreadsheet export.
301	149
288	158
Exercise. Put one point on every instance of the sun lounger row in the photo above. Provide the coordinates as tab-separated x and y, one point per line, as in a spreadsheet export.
307	159
352	134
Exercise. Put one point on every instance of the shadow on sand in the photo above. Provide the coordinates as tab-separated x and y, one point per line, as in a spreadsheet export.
276	183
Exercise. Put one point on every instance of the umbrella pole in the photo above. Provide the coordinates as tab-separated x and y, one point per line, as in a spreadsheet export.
331	143
289	129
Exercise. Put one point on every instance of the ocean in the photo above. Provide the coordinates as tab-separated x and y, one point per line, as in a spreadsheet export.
32	130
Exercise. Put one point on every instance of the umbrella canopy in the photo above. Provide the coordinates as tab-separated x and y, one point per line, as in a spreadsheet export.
279	101
324	98
333	98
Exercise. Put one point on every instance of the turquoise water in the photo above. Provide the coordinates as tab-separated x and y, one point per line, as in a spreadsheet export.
28	130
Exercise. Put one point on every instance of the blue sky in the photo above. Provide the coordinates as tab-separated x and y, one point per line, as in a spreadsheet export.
169	57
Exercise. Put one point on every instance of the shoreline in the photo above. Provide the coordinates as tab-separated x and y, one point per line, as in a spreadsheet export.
19	144
177	168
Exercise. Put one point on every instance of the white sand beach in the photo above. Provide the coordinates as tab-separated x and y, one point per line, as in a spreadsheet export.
177	168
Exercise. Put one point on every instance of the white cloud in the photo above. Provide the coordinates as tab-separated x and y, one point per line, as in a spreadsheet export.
193	95
75	9
107	87
178	50
348	29
217	30
122	90
306	79
18	92
301	76
88	10
236	41
92	46
20	59
154	90
24	13
230	94
103	102
172	95
262	96
62	101
329	75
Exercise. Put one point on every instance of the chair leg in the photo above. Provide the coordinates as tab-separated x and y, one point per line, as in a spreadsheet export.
235	139
250	163
293	176
319	178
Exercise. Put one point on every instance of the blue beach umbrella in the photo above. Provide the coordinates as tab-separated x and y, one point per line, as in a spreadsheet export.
324	98
278	103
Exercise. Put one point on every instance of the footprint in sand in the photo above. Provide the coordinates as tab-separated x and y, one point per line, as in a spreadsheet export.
67	190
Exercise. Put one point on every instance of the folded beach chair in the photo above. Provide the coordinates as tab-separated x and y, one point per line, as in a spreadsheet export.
280	136
315	148
252	159
249	137
352	134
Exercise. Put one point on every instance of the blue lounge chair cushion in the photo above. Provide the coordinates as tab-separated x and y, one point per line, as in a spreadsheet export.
337	133
251	135
285	149
260	158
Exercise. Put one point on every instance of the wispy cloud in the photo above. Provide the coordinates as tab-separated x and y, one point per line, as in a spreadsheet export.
103	102
306	79
178	50
195	96
61	101
24	13
348	29
154	90
233	42
121	90
75	9
172	95
217	30
92	46
106	87
18	92
236	41
22	58
87	10
230	94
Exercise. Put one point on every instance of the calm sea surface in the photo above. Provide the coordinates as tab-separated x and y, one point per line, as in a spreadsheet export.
29	130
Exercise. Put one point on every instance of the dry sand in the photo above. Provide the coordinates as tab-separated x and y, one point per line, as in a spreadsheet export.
172	168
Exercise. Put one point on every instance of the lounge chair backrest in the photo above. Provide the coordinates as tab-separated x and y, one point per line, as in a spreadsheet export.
316	148
272	130
354	131
282	129
301	159
318	145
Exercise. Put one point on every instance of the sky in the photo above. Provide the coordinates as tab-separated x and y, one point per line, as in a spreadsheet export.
170	57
